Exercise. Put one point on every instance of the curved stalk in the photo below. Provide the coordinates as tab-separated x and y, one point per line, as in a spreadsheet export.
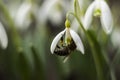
96	59
98	65
94	52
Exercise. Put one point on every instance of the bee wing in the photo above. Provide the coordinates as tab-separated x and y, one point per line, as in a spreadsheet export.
77	41
56	40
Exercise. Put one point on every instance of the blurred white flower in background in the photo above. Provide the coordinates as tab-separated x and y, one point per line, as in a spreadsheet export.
3	37
115	37
75	25
100	9
54	10
23	15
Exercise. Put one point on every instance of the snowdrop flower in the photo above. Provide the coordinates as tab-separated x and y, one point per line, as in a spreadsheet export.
3	37
66	41
115	37
22	19
52	10
100	9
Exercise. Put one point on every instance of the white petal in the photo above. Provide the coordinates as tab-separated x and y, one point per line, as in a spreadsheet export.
3	37
55	41
115	37
55	16
89	15
45	9
77	41
106	17
75	25
21	15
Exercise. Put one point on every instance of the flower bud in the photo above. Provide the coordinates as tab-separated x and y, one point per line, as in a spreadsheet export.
67	23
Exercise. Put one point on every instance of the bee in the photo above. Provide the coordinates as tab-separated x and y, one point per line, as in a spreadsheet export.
64	50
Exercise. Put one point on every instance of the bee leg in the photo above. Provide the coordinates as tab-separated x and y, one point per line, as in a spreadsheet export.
58	46
65	58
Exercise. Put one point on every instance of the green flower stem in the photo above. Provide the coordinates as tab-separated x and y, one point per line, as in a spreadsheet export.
9	21
96	59
94	52
97	62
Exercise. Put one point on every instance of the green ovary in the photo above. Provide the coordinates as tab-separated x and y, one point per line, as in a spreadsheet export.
97	13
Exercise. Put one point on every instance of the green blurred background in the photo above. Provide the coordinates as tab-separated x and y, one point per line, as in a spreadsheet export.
28	55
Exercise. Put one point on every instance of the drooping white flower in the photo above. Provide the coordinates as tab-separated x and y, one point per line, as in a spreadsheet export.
46	11
52	10
99	8
3	37
115	37
22	19
59	45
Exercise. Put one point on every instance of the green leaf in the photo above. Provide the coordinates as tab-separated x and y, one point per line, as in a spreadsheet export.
38	65
102	66
77	8
23	67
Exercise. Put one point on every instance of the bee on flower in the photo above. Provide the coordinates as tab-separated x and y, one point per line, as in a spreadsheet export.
66	42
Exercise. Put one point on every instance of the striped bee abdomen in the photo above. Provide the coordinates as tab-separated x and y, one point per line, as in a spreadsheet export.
62	52
65	50
72	46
